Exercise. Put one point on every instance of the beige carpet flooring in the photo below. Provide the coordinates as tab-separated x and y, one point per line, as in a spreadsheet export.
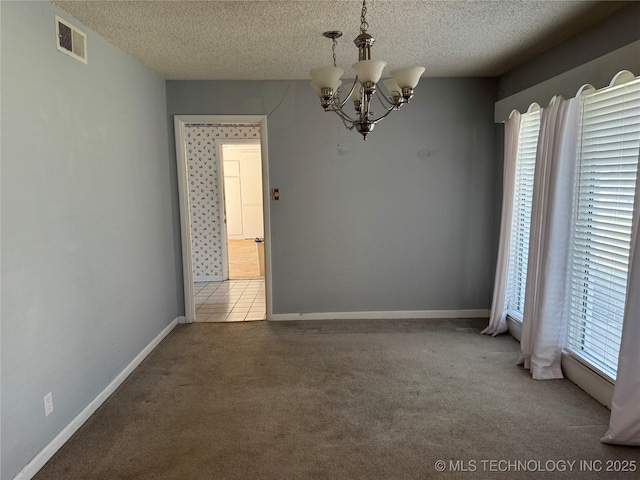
243	259
339	400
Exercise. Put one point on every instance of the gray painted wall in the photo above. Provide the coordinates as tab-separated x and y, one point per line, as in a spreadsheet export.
88	252
403	221
618	30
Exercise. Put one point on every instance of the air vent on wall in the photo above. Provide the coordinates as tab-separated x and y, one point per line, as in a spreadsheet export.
70	40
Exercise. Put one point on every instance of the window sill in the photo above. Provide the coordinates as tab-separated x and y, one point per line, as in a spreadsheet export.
587	379
573	369
515	327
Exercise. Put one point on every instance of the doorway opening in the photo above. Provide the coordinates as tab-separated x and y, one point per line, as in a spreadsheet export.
243	205
224	213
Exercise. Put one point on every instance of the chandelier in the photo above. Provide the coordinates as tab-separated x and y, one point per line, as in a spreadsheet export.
326	83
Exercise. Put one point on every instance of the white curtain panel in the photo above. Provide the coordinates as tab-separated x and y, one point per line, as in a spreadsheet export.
498	319
546	296
624	424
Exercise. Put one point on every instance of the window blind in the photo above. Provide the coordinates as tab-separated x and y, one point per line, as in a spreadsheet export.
608	166
521	220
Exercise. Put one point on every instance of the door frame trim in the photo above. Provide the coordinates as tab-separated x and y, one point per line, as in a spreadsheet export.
180	122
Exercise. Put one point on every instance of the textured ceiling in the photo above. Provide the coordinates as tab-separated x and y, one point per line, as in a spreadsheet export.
266	39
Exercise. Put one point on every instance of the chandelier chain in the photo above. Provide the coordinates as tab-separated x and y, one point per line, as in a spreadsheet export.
364	26
333	49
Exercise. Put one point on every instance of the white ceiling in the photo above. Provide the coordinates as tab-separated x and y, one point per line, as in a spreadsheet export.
261	40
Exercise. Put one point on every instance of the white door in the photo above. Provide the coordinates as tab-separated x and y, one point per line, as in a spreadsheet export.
251	175
233	200
245	162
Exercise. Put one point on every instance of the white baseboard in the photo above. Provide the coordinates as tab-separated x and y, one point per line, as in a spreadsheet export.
208	278
43	456
182	319
381	315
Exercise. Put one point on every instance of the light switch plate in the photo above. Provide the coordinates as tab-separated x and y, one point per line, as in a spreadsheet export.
48	404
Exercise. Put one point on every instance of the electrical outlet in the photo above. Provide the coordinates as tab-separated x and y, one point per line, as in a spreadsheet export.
48	404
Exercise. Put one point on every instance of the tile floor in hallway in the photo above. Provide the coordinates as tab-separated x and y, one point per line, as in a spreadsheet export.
230	301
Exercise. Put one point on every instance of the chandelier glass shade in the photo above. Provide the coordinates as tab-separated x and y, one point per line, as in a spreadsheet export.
399	89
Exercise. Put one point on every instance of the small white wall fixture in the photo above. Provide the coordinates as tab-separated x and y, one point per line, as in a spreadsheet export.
180	123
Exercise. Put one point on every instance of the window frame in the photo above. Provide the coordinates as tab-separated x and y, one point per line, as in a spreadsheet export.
590	191
532	118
